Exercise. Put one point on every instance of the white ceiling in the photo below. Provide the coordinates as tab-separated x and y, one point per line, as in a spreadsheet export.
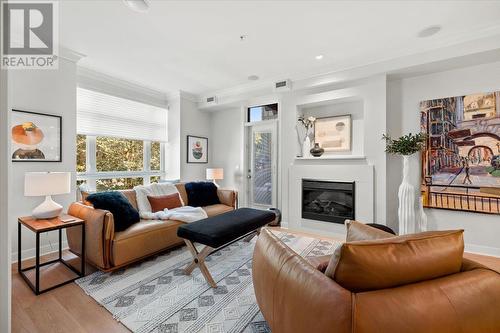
195	46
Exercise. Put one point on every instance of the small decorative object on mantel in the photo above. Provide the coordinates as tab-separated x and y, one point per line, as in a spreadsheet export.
317	151
406	146
305	133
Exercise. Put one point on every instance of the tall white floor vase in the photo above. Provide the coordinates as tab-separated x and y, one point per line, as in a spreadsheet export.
422	217
406	195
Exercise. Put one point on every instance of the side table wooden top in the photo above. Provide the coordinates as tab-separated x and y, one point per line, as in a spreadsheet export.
48	224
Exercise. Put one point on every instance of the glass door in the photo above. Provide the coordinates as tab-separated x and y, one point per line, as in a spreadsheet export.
262	165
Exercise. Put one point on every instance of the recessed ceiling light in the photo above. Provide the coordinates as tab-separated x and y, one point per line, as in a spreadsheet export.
141	6
429	31
319	57
253	77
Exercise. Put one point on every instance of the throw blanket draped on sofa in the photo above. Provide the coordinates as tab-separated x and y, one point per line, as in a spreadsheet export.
183	214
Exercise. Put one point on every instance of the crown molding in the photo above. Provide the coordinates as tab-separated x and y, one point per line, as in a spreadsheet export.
92	79
452	55
70	55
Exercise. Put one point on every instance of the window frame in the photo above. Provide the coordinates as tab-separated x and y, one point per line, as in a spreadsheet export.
91	174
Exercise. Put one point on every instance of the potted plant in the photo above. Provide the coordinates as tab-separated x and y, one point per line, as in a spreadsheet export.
406	146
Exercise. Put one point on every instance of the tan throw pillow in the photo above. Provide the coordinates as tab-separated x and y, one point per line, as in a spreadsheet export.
161	202
356	231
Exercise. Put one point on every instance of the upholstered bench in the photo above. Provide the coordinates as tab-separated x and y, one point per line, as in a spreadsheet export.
220	231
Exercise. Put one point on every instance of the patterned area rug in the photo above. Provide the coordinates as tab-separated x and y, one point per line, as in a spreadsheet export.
155	295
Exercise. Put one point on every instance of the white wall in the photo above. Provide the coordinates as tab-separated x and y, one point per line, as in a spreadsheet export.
52	92
197	123
481	230
227	147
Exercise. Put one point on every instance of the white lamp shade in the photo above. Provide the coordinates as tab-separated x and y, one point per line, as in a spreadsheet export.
217	173
46	183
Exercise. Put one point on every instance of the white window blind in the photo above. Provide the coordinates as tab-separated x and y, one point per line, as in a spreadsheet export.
101	114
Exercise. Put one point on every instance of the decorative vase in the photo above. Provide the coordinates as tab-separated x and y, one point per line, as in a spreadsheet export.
422	217
316	151
406	195
306	146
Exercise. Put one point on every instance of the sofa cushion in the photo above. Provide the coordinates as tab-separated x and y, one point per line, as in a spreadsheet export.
213	210
356	231
124	214
161	202
144	238
391	262
202	194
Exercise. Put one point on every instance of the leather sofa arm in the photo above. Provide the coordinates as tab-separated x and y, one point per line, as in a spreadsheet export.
99	232
228	197
292	295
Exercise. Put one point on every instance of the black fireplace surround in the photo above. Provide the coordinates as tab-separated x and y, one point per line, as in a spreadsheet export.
328	201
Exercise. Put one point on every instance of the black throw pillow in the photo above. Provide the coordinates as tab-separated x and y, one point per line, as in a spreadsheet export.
124	213
201	194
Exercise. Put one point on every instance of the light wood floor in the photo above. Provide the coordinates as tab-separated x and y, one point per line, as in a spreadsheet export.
69	309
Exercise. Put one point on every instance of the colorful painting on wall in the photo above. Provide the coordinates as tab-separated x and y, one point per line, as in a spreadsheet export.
197	149
461	162
35	137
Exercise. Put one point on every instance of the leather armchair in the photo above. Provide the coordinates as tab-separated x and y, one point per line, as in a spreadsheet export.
296	297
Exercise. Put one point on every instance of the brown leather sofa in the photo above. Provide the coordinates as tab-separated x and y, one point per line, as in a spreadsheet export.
109	250
296	297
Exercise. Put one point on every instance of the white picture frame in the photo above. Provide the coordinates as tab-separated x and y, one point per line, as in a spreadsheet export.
333	134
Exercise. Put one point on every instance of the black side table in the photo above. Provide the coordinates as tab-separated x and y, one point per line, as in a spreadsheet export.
41	226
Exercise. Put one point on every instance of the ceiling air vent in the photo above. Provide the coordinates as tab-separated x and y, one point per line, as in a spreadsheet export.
285	85
212	100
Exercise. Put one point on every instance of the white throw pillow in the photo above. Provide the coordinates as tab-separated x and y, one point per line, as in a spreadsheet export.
155	189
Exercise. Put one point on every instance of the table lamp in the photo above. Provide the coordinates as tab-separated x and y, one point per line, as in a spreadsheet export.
38	184
213	174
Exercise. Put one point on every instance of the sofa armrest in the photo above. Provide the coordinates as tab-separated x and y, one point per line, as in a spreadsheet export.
228	197
99	231
292	295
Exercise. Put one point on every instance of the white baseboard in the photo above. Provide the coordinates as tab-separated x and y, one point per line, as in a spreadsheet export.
481	249
45	249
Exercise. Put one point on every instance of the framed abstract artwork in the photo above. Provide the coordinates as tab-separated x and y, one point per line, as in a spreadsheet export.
461	161
333	133
35	137
197	149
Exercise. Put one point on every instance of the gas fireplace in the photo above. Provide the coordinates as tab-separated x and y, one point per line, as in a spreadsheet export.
327	201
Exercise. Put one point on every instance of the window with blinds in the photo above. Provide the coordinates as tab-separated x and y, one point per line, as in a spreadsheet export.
120	142
107	115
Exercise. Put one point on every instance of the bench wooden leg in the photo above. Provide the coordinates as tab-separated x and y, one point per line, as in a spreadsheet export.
199	261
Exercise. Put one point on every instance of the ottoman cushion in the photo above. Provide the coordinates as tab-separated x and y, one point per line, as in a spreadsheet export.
222	229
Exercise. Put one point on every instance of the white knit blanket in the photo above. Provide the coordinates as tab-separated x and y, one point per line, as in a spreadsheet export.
186	214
